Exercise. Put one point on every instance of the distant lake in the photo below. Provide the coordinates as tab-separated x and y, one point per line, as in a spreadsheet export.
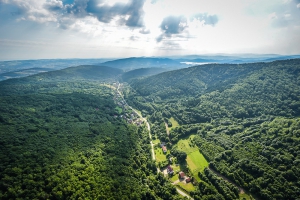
194	63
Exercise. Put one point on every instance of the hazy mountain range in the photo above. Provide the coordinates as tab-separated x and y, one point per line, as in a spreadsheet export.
21	68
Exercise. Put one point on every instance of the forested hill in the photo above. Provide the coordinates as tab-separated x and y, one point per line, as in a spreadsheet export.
128	64
53	78
62	137
245	120
90	72
143	72
197	80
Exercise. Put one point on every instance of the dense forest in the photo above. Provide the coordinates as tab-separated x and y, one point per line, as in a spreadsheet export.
60	138
245	118
62	135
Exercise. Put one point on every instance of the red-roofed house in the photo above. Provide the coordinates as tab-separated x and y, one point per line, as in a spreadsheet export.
187	180
181	175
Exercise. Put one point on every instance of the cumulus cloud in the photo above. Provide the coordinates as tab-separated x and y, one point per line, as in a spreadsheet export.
32	10
53	5
128	14
175	26
206	18
172	25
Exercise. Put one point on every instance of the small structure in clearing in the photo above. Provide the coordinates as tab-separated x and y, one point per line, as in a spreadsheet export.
188	179
181	175
170	170
164	148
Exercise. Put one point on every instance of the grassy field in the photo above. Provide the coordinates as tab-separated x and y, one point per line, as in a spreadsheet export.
187	186
174	123
174	178
159	155
184	145
195	159
197	163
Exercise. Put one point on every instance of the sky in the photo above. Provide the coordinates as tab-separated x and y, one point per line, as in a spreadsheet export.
45	29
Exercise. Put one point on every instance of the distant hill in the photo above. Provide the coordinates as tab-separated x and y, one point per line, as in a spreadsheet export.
128	64
23	72
47	64
89	73
233	59
143	72
197	80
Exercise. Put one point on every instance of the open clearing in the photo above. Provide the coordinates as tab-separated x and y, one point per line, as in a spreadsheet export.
184	145
197	163
160	156
174	123
195	160
187	186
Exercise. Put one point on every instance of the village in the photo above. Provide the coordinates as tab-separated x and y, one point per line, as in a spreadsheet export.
123	110
166	164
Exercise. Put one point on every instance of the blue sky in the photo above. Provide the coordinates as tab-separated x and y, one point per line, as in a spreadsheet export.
36	29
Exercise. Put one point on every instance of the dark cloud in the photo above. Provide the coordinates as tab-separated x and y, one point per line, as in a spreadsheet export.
131	13
78	8
136	14
208	19
172	25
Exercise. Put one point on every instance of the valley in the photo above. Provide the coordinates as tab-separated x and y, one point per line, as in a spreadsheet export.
215	131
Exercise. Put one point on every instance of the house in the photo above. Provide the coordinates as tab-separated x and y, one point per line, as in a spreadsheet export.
164	148
188	179
170	170
181	175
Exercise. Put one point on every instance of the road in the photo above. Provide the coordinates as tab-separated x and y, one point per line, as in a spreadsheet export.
183	193
145	120
151	143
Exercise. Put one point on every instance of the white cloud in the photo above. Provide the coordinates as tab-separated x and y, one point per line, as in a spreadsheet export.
298	5
231	26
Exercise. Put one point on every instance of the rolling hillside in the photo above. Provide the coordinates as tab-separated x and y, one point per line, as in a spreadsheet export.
128	64
245	119
61	137
143	72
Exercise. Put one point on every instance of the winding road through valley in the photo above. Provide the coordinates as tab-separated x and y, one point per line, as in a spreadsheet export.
151	143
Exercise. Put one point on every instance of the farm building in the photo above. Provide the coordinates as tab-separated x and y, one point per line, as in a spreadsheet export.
181	175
